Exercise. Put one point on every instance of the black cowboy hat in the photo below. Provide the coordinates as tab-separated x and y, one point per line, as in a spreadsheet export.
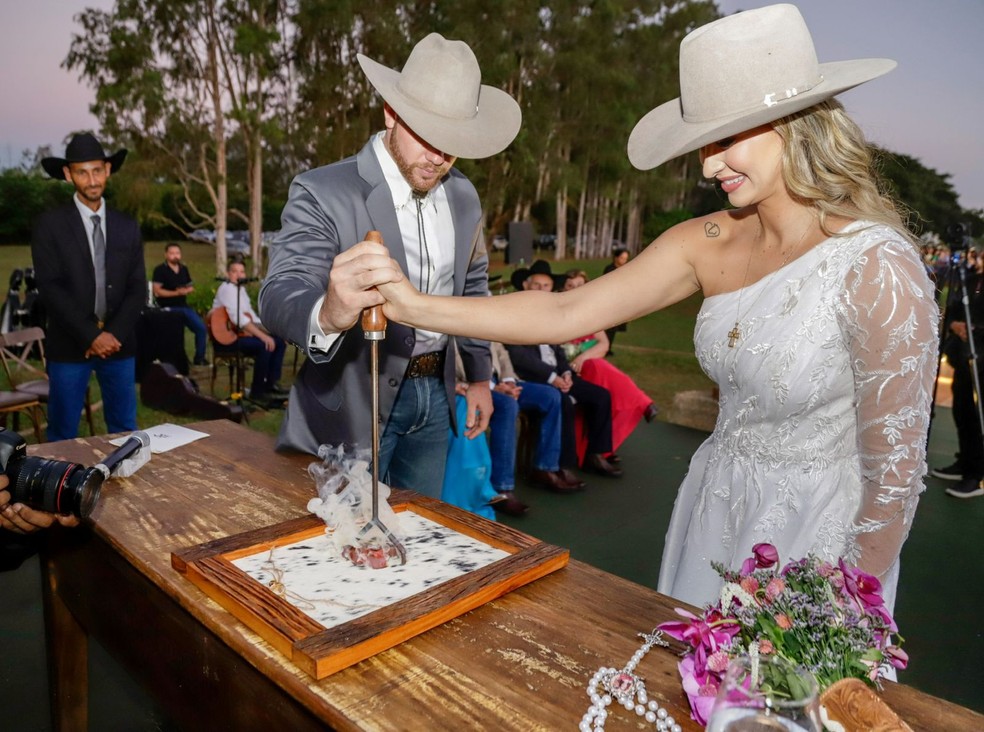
540	266
82	148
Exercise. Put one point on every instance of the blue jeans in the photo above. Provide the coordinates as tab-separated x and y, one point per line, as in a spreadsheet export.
414	446
196	326
540	399
68	382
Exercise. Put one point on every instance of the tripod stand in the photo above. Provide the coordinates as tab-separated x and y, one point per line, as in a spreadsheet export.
960	349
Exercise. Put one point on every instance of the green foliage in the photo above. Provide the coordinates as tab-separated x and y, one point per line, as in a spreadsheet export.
659	221
200	90
927	194
23	196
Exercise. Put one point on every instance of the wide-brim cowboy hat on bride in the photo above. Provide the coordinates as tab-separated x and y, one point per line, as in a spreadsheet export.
82	148
739	72
439	95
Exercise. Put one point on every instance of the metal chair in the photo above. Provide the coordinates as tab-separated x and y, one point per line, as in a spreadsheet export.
19	349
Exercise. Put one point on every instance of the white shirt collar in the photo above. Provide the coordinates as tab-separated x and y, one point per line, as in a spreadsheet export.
87	213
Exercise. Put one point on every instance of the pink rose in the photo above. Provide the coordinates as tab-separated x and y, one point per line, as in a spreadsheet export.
783	621
749	585
766	647
775	588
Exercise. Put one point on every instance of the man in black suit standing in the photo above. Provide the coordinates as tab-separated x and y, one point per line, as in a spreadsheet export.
91	278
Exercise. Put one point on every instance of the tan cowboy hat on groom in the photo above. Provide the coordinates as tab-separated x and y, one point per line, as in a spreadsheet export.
440	96
739	72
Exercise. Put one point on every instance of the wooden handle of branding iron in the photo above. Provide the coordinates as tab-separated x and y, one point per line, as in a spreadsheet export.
373	320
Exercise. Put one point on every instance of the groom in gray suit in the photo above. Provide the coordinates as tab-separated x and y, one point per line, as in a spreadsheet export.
402	184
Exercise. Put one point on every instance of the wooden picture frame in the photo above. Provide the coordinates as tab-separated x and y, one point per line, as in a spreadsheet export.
322	651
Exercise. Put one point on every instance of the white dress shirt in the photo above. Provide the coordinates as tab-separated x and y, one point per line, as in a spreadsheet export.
236	302
430	259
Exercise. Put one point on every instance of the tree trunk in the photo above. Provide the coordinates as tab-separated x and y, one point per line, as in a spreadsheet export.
256	205
579	230
219	137
560	247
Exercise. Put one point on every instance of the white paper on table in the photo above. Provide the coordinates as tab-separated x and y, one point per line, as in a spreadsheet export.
166	437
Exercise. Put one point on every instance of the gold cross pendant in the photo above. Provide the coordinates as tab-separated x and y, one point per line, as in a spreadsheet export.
733	335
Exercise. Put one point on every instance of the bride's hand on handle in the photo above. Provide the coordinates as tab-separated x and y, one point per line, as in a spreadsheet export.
399	296
355	275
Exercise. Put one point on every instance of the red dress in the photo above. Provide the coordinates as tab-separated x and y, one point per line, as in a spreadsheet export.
629	402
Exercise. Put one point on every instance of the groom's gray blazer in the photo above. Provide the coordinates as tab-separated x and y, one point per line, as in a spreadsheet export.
329	210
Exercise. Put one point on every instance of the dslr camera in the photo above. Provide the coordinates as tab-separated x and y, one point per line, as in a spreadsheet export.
55	486
957	236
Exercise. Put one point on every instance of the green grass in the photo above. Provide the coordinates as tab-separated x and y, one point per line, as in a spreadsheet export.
656	350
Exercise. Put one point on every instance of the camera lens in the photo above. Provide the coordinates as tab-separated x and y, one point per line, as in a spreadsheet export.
56	486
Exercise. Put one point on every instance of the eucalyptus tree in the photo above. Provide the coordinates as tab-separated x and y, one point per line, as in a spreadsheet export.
176	79
338	108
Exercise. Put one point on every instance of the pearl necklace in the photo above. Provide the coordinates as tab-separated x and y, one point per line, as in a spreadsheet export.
628	690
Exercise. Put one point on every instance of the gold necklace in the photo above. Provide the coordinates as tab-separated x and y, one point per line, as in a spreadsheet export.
735	333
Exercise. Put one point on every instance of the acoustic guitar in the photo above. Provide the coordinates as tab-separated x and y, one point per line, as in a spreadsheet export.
221	327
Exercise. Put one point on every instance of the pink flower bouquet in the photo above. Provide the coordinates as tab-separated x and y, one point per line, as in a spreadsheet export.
829	619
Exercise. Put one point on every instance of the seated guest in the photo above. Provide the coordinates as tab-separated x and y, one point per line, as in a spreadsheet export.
18	525
172	285
463	485
510	396
254	340
547	364
587	359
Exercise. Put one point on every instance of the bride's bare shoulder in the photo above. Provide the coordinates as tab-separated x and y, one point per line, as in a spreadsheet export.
706	232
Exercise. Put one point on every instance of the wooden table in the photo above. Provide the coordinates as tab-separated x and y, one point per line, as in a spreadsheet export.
518	663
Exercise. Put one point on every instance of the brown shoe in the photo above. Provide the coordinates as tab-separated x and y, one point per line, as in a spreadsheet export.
597	464
507	503
552	481
571	479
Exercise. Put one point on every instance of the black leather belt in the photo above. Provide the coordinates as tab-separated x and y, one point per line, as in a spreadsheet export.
426	364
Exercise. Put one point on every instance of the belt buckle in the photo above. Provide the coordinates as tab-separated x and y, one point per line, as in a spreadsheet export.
424	364
101	324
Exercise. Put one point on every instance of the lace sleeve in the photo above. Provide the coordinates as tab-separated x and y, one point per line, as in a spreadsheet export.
890	321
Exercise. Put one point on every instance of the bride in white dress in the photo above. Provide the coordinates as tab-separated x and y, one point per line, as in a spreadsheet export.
819	323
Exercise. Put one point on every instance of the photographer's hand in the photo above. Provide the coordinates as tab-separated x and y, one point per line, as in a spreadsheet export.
20	519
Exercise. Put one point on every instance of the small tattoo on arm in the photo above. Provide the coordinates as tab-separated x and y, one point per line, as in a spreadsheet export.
712	230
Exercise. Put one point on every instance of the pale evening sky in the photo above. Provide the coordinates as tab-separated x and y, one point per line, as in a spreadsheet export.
931	107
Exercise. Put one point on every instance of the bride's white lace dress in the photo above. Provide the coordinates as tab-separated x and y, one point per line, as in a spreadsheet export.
819	444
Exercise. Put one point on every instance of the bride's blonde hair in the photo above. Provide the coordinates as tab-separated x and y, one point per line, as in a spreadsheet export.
828	165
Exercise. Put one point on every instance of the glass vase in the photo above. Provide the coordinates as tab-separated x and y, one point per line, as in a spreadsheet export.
766	694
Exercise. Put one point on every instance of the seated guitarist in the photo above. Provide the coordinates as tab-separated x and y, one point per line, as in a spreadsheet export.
254	340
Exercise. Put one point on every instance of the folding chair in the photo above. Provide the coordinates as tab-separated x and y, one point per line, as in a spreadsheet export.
18	350
14	402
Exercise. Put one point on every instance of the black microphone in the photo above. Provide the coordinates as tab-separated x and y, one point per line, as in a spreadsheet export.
136	441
